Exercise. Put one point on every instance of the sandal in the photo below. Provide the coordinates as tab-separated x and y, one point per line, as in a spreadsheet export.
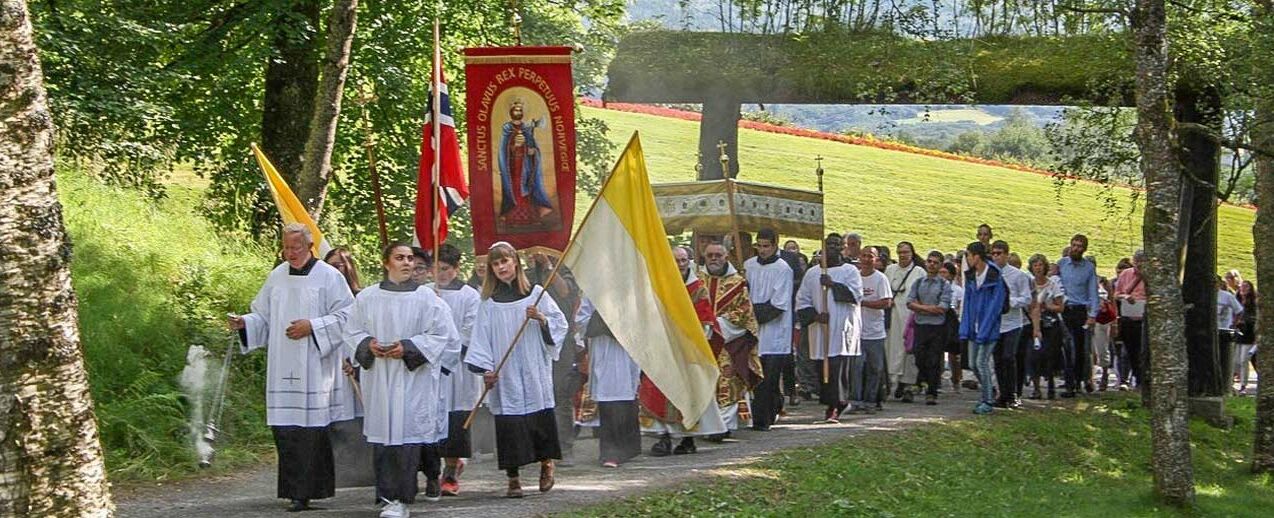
546	477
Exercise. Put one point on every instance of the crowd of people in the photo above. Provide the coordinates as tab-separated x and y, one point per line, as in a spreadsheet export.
850	327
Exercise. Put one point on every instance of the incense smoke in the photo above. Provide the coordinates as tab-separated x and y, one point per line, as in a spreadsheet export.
194	381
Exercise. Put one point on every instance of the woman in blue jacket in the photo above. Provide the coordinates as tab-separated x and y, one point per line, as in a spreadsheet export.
985	300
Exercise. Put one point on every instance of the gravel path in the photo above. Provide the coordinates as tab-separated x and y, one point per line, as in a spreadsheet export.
251	494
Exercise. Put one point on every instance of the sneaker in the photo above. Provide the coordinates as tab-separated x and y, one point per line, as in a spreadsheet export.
395	509
450	486
433	490
515	488
662	447
931	399
686	447
610	464
1123	387
982	409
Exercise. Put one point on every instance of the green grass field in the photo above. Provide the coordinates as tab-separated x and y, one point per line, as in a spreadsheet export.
1090	459
933	202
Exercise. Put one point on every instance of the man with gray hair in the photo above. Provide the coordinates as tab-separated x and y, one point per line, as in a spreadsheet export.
852	246
298	317
1130	291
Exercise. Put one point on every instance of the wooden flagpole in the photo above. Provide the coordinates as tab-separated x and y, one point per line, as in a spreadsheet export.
548	282
827	328
435	117
369	143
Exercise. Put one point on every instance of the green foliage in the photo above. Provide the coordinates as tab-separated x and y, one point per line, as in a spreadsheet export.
1088	459
933	202
152	279
182	82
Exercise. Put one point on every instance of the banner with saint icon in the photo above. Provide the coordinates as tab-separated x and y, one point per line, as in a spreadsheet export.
521	133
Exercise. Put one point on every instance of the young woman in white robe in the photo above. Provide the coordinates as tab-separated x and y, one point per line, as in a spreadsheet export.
460	387
403	337
521	393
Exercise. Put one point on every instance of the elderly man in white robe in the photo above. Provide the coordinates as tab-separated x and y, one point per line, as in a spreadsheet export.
403	337
521	391
299	316
613	378
770	285
833	328
901	363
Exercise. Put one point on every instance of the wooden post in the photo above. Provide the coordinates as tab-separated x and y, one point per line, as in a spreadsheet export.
827	328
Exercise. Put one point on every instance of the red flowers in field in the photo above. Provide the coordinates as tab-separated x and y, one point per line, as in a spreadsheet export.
809	133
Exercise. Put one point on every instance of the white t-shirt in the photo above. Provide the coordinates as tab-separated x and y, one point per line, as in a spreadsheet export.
875	287
1227	307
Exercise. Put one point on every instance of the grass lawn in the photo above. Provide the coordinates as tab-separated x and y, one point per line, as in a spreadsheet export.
1092	459
890	196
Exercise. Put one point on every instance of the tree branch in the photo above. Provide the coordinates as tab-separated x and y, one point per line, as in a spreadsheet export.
1095	10
1212	135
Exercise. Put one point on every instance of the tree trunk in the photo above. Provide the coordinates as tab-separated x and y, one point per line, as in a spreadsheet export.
1263	232
1169	427
1201	157
316	166
720	123
50	457
291	80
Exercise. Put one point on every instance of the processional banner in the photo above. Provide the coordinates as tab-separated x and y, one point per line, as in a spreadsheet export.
521	126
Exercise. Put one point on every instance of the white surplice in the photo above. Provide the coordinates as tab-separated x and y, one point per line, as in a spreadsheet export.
612	373
300	388
461	386
404	406
842	316
525	385
772	284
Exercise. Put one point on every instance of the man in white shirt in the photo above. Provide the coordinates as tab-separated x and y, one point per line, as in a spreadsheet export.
1011	324
1229	314
870	366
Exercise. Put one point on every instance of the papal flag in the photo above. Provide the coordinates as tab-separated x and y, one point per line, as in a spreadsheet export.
290	208
622	261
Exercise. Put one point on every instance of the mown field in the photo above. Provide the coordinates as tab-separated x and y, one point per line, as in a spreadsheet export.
933	202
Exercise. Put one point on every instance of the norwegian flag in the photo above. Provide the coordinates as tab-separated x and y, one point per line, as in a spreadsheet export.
451	186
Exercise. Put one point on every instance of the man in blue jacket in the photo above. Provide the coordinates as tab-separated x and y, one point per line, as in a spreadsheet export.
985	299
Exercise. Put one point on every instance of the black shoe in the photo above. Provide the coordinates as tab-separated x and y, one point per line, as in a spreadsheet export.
687	446
299	505
907	396
1035	393
1001	404
1088	387
898	392
931	399
433	490
758	428
794	401
1068	394
663	447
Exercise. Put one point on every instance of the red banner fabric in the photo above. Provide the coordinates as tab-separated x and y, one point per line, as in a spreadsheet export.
521	126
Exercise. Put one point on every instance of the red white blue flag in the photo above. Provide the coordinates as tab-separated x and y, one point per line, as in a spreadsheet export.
440	169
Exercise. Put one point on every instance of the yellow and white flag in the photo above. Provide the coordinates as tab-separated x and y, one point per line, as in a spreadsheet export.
290	208
622	261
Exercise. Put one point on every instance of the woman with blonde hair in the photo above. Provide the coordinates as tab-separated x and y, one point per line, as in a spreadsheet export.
522	391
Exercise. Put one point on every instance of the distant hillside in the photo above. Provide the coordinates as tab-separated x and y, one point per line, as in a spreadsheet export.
933	202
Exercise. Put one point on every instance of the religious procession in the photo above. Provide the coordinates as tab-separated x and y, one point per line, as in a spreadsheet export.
613	330
623	258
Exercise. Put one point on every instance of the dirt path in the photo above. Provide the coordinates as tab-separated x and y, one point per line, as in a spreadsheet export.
251	494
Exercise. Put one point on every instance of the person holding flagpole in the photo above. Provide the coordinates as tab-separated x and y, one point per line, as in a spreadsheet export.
521	388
